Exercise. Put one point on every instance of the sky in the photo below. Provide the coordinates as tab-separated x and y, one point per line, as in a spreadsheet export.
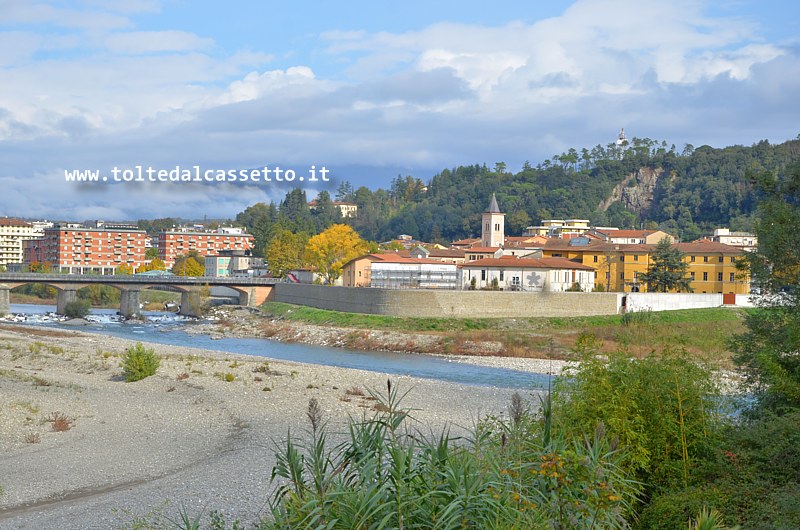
366	89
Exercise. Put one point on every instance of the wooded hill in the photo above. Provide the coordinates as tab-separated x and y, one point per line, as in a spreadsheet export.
646	183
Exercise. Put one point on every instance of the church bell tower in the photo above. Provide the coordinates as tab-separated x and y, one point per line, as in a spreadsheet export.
493	226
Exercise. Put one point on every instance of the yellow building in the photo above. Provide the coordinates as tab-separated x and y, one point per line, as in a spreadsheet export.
712	266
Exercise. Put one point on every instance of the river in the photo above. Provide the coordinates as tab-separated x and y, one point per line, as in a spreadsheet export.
168	328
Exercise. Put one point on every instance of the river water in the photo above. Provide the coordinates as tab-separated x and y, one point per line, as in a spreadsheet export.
168	328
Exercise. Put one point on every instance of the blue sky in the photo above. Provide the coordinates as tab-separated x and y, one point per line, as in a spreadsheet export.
368	89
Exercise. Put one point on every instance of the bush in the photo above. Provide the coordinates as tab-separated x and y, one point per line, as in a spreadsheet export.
662	409
511	475
139	362
77	308
753	479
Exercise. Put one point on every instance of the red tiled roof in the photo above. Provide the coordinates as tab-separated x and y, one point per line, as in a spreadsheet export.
465	242
527	263
12	222
707	246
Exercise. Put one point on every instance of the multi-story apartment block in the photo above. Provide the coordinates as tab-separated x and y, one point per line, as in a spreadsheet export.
743	240
712	266
630	237
559	228
174	243
76	249
13	235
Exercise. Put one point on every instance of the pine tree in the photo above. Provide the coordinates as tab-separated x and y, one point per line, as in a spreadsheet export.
667	272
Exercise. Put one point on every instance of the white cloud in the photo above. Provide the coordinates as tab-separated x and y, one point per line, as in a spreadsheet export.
111	94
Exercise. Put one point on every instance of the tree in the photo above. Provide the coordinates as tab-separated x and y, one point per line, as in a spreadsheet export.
151	253
191	264
125	269
331	249
667	271
285	252
155	264
768	351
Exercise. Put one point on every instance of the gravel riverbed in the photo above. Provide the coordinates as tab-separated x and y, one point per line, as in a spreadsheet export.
186	438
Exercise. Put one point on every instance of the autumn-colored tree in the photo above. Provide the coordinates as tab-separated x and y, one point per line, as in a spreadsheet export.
40	266
285	252
331	249
125	269
153	265
191	264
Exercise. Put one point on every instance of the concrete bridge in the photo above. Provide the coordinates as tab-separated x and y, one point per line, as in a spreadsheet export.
252	291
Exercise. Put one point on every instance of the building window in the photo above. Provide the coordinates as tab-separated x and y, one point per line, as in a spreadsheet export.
691	258
733	259
497	227
622	258
705	259
621	275
720	259
705	276
483	275
636	258
719	276
595	259
501	275
731	277
692	275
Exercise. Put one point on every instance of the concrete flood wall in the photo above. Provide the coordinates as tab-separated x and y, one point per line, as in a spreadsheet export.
674	301
446	303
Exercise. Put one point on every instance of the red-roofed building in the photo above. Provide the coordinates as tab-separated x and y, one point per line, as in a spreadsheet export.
632	237
527	274
391	271
476	253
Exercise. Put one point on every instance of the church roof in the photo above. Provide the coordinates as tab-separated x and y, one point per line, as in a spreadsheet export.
493	208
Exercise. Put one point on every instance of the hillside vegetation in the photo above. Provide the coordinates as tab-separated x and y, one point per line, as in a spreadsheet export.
686	192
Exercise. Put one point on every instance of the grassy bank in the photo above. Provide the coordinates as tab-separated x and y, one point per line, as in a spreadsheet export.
704	333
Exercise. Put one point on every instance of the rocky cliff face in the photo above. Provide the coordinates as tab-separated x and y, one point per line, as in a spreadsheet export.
636	191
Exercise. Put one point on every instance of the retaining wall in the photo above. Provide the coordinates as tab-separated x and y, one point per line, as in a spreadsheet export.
673	301
446	303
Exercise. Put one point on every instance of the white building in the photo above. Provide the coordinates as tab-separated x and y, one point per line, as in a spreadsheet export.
742	240
234	263
13	234
395	272
527	274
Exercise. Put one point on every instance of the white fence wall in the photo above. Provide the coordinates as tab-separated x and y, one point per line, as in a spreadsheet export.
673	301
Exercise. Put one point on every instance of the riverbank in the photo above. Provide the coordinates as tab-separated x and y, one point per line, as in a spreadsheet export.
237	321
200	434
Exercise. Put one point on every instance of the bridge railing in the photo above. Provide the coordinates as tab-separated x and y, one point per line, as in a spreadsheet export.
134	279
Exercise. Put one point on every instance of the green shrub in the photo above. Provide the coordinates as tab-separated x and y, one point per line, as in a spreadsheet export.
753	479
386	475
77	309
662	408
139	362
638	318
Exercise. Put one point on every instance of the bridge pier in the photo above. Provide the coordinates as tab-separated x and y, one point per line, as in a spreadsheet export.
5	305
65	296
191	302
254	296
129	303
